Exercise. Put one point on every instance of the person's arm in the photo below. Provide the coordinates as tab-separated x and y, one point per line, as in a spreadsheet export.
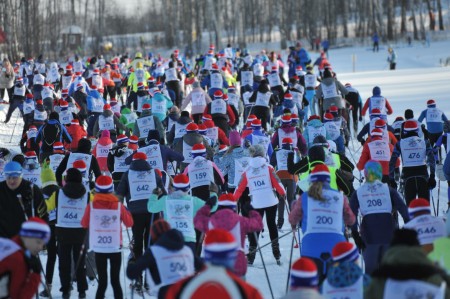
201	218
86	217
365	156
223	139
444	118
422	116
345	186
40	206
365	107
218	177
301	144
354	205
349	217
363	132
251	223
299	167
274	140
21	284
399	204
395	154
125	216
231	116
146	261
296	215
431	159
95	168
156	205
51	202
276	183
389	109
241	187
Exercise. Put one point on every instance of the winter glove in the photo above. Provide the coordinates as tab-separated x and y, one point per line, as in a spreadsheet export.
305	103
246	208
393	184
157	191
362	142
358	240
360	118
211	202
431	183
33	263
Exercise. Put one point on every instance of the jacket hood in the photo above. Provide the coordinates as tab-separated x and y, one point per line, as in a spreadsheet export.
184	120
140	165
125	111
172	240
224	213
105	134
107	197
257	162
107	113
315	123
74	190
145	113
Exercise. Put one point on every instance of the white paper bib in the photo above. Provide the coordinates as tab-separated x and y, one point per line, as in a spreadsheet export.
70	210
104	230
326	216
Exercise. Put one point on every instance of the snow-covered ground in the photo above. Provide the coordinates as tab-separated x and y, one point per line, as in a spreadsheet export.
418	77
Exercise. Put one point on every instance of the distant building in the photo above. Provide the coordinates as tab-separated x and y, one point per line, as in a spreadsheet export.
71	37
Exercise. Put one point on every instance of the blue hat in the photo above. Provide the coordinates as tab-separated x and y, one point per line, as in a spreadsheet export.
376	91
12	169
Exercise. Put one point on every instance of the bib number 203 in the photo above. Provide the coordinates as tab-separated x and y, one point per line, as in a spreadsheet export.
104	240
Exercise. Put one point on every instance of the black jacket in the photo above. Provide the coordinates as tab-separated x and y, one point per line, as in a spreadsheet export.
11	212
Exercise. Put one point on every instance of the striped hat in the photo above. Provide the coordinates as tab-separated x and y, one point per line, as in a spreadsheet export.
334	109
32	127
320	173
286	119
377	132
328	117
380	123
107	107
431	103
294	117
58	146
304	273
134	139
419	205
192	127
80	165
181	181
218	95
313	117
104	184
223	148
344	252
74	122
206	117
146	106
198	148
36	228
122	139
66	91
63	104
288	96
202	128
256	124
227	199
251	118
287	140
140	86
410	125
220	246
30	155
139	156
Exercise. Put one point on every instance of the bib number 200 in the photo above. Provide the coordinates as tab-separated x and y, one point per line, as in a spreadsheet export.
324	220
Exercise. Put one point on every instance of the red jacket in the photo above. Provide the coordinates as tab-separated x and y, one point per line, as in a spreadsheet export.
230	113
107	201
102	158
366	106
77	132
365	156
23	284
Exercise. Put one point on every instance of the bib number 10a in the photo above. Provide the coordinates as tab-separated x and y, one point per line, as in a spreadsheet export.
104	240
259	183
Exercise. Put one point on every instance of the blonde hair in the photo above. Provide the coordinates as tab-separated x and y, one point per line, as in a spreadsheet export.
315	191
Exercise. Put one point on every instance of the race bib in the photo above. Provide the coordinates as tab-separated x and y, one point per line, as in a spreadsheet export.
413	151
180	215
282	156
274	79
200	172
326	216
329	91
218	107
247	78
142	184
434	115
407	289
103	150
154	157
216	80
198	99
70	210
374	198
379	150
145	124
104	230
106	123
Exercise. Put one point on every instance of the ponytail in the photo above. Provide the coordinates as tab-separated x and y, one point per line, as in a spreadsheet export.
315	191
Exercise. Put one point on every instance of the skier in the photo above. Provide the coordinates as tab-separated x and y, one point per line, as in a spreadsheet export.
116	159
323	212
260	179
416	154
172	79
377	101
32	169
428	227
20	267
392	58
354	99
202	173
101	150
77	132
221	251
178	207
106	239
160	104
70	203
16	101
55	159
279	161
378	204
328	92
264	100
178	129
258	137
167	248
379	150
146	122
226	218
314	128
222	114
435	119
108	121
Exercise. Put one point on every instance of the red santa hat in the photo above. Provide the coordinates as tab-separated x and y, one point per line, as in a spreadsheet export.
218	94
328	117
288	96
375	111
304	273
146	106
223	148
344	252
380	123
227	199
36	228
58	146
431	103
30	155
107	107
139	156
419	205
74	122
220	246
122	139
191	127
320	173
377	132
286	119
104	184
287	140
198	148
80	165
206	117
134	140
410	125
181	181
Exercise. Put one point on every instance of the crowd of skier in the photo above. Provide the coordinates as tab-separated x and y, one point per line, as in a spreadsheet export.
183	159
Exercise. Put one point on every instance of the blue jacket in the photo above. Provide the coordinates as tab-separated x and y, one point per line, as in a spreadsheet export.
433	127
93	94
249	138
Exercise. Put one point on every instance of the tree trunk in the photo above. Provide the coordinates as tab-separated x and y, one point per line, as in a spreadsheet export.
390	19
344	5
431	15
441	21
413	17
403	17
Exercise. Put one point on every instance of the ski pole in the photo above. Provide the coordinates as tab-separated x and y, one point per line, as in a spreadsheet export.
264	264
12	134
267	244
439	191
432	200
290	262
289	212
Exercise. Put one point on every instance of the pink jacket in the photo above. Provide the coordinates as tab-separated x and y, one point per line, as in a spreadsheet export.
102	157
227	219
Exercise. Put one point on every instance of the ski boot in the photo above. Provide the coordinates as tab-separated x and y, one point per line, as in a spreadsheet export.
46	292
276	252
251	255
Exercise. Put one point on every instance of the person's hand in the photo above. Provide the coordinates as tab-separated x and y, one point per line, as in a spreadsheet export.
157	191
393	183
211	202
246	208
360	118
362	142
34	264
358	240
431	183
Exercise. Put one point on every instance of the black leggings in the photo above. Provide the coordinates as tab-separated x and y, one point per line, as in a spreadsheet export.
51	256
415	187
141	230
115	260
271	214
